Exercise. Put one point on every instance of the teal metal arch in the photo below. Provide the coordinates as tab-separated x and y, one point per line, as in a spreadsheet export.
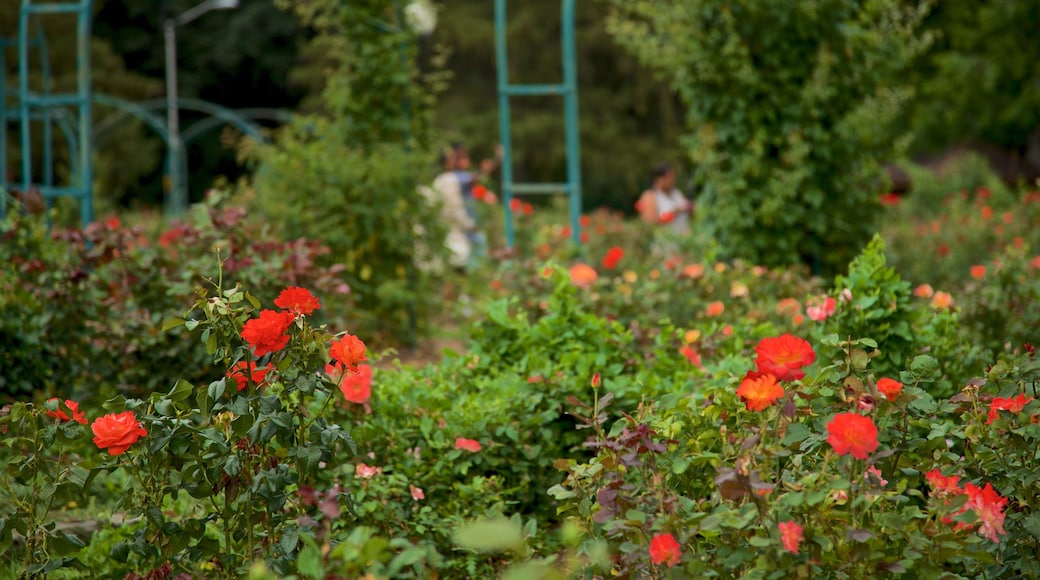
201	127
81	183
242	119
47	109
223	114
568	89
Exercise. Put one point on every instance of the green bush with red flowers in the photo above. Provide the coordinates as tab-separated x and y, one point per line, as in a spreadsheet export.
623	414
83	310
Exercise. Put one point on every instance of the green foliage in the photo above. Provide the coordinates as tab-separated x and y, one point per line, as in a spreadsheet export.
350	173
787	109
878	303
721	479
979	80
81	312
242	457
962	218
1003	308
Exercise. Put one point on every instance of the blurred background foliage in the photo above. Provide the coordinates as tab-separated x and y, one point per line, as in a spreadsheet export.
975	85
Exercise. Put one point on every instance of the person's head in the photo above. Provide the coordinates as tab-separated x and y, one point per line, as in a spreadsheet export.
663	177
461	154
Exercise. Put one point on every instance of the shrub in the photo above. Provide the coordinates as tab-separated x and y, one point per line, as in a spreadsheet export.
349	173
788	108
831	479
81	312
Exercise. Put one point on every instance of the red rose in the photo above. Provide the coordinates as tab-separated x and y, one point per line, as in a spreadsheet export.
268	333
470	445
612	257
244	371
664	548
297	300
357	387
852	434
73	406
117	432
790	535
784	356
1012	404
890	388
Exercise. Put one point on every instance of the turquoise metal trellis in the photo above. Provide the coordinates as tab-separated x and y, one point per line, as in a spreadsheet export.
72	114
43	106
568	89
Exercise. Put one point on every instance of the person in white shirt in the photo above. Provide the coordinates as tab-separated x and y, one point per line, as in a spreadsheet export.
664	204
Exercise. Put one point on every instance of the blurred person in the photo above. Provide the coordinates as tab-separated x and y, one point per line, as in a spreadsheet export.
458	174
447	193
664	204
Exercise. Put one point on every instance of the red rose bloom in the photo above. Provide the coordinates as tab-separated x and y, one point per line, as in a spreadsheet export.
790	535
890	388
759	392
691	355
612	257
941	484
244	371
73	406
117	432
1013	404
297	300
850	433
268	333
784	356
664	549
989	507
357	387
348	351
470	445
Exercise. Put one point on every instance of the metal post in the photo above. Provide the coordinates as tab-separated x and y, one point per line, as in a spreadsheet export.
570	104
86	121
23	102
47	140
505	135
177	199
5	177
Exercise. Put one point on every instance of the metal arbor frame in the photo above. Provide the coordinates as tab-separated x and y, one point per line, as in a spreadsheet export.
568	89
50	107
72	113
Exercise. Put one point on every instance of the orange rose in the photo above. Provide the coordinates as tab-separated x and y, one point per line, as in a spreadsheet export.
117	432
583	275
348	351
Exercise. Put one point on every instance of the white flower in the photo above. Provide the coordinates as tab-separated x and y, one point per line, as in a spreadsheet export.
421	17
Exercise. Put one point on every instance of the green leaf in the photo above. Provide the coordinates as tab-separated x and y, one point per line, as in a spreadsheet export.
181	390
1032	525
171	323
496	535
216	390
796	433
760	542
309	562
